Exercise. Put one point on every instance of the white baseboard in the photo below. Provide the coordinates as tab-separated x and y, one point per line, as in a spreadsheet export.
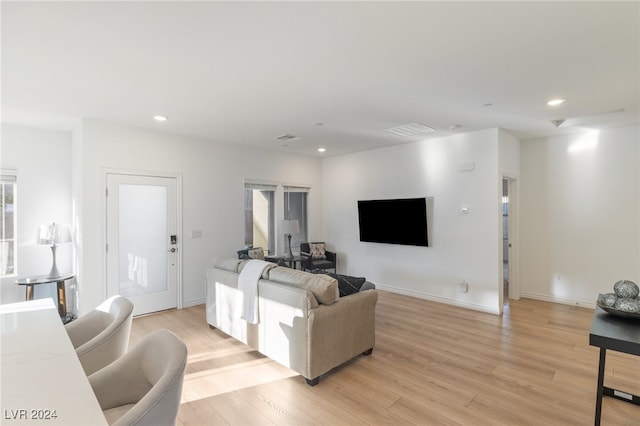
195	302
439	299
553	299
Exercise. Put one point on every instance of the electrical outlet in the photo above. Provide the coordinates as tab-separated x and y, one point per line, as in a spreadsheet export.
464	286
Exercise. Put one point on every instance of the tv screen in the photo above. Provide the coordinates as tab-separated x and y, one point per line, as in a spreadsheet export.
399	221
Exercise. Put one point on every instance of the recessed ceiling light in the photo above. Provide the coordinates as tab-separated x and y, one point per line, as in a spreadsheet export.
160	118
322	149
557	101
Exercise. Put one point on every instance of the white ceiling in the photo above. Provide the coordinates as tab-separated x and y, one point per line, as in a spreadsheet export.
248	72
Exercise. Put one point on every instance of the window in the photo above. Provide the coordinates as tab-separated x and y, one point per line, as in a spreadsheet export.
295	207
8	224
259	217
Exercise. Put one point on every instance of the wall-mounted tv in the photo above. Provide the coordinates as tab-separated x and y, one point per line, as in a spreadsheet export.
398	221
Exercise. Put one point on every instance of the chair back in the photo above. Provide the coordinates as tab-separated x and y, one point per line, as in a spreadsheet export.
144	387
102	336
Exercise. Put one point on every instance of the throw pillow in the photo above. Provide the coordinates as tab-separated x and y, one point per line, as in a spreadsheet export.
317	251
348	285
256	253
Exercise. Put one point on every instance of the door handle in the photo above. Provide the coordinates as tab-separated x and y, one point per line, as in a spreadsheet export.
172	250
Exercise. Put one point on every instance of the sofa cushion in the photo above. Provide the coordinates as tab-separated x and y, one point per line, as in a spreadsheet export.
256	253
323	287
227	264
265	271
317	250
348	285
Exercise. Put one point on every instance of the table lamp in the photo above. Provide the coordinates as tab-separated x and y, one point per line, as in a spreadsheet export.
290	226
53	235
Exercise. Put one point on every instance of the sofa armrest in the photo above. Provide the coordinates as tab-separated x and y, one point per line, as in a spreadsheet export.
306	260
340	331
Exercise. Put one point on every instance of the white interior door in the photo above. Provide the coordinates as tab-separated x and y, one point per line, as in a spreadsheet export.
142	240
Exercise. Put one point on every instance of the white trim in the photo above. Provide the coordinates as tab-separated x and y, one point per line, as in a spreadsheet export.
8	175
514	240
149	173
260	182
296	188
194	302
439	299
553	299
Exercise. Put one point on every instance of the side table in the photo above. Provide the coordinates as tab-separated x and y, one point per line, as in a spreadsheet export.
617	334
29	282
292	262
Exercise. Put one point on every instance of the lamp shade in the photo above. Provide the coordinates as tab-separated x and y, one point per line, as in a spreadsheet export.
290	226
54	234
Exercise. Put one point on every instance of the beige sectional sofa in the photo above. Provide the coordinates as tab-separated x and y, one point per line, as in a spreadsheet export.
303	324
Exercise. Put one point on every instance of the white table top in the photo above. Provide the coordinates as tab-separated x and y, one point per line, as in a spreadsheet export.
40	373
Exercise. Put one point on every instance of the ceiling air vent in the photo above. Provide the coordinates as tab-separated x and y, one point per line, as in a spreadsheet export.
410	130
287	138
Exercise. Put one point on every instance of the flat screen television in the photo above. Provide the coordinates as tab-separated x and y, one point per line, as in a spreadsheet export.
398	221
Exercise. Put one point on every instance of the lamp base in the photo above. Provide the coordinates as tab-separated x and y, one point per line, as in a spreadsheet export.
54	268
289	254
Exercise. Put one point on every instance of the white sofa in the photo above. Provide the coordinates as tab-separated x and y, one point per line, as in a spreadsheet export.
303	323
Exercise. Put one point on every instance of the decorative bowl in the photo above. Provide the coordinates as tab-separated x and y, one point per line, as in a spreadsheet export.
619	313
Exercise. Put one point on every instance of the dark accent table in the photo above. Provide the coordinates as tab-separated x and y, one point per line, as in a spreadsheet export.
29	282
292	262
618	334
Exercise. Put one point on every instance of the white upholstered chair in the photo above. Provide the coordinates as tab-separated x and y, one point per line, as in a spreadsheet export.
102	336
144	387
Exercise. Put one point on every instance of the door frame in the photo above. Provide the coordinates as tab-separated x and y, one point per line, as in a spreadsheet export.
145	173
514	282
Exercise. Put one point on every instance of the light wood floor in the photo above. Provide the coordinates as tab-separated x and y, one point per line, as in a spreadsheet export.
432	364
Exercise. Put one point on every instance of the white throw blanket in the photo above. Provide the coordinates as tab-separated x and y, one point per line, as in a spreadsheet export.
248	285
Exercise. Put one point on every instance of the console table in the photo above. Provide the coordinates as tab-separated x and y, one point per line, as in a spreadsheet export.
29	282
618	334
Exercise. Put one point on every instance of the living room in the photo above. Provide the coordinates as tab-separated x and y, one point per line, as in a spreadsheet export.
577	188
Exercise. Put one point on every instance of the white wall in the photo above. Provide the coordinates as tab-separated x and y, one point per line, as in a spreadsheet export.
43	161
580	215
462	246
213	180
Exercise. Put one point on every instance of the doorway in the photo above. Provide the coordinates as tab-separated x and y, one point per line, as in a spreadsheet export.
143	257
509	260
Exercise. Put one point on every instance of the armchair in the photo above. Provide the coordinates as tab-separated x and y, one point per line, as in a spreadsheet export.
258	253
315	256
251	253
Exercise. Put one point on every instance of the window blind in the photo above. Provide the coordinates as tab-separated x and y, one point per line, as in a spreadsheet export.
291	188
260	186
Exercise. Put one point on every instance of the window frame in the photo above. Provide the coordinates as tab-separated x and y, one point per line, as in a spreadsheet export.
271	219
303	220
9	177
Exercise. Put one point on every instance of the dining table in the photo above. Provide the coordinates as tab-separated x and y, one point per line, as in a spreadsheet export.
42	379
